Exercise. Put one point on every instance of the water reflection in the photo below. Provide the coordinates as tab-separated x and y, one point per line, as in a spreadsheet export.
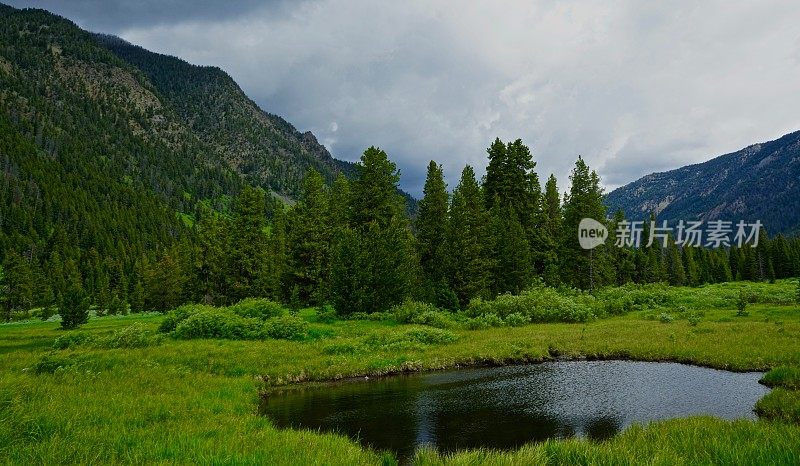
506	407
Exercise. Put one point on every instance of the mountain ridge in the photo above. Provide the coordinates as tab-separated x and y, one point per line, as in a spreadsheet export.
758	182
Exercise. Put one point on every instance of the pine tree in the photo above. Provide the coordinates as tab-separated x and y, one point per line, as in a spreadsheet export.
781	257
691	267
309	243
585	269
373	265
74	303
513	268
248	268
339	206
164	282
17	285
622	258
676	272
276	259
468	241
551	232
431	224
210	258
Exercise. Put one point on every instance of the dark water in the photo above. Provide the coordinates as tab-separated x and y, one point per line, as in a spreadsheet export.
505	407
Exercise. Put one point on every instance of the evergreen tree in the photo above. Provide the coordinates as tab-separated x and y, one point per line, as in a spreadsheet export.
691	267
468	241
585	269
622	258
781	257
551	233
248	255
74	304
17	285
431	224
210	258
513	267
309	243
276	265
164	281
373	266
676	271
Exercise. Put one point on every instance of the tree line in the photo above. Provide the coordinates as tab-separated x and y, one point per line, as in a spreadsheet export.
353	245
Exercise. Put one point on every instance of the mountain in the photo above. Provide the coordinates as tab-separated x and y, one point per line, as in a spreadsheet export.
106	146
264	148
759	182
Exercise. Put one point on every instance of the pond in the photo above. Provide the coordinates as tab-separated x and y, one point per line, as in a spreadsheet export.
506	407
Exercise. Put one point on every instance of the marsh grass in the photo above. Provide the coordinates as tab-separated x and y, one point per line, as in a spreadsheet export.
195	401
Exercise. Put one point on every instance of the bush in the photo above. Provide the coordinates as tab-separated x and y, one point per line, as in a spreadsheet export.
516	320
326	314
287	327
797	292
172	319
432	319
665	318
741	303
218	324
259	308
406	312
71	339
484	321
693	319
132	336
74	308
539	304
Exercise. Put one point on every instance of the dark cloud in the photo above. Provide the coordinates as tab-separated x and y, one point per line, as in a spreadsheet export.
115	15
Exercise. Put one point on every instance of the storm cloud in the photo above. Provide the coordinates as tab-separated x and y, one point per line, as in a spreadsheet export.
634	87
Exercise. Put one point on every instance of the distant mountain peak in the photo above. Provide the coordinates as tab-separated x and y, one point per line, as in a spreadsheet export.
758	182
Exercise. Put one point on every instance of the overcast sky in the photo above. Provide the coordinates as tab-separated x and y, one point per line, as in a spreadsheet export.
634	87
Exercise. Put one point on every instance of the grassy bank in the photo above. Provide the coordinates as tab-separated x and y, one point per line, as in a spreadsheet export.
138	396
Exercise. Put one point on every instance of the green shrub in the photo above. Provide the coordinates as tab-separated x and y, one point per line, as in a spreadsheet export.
433	319
172	319
218	324
259	308
741	303
619	306
71	339
132	336
797	292
484	321
693	319
289	327
665	318
408	310
540	304
516	320
326	314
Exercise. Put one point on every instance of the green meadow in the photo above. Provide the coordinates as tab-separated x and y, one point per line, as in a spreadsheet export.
119	390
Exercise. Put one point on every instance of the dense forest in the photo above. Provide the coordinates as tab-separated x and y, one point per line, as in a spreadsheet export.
352	245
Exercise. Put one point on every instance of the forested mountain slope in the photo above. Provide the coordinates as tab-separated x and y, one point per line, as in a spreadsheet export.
759	182
264	148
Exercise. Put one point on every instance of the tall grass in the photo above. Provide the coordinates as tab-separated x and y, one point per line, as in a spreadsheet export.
195	401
